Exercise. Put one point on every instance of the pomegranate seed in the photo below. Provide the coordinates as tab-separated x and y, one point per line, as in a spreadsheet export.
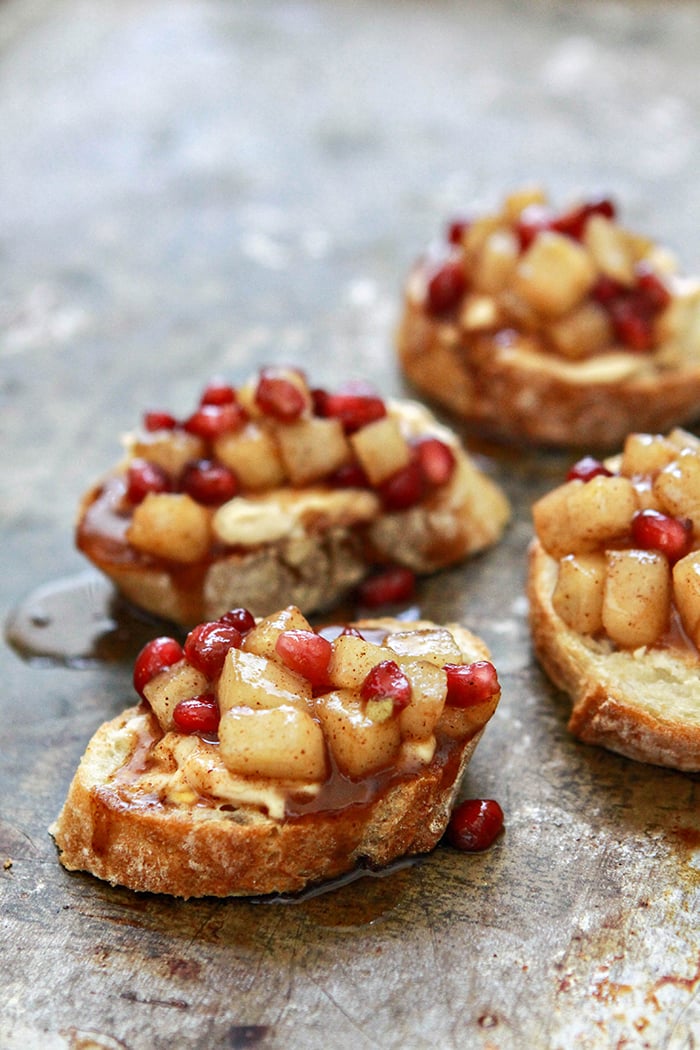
446	286
279	397
197	714
436	460
353	410
218	392
456	230
471	684
386	681
652	287
307	653
349	476
653	530
155	656
531	222
155	419
404	488
395	584
475	824
242	619
210	421
207	644
606	290
573	223
587	468
143	477
632	322
208	482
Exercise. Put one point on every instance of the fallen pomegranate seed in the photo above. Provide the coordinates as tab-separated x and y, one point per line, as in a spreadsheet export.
652	287
471	684
143	477
403	489
307	653
531	222
208	482
456	230
447	284
436	460
386	681
353	410
587	468
210	421
155	656
279	397
632	321
207	644
197	714
653	530
242	619
475	824
395	584
218	392
349	476
155	419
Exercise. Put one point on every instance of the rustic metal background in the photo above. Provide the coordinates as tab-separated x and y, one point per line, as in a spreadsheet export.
202	186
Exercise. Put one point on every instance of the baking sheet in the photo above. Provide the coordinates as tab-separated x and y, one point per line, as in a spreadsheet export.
195	188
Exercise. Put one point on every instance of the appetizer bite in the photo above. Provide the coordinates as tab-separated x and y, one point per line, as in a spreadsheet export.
614	591
263	755
555	328
277	493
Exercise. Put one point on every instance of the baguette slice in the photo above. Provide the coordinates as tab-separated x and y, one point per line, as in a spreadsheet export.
156	809
614	598
313	505
506	342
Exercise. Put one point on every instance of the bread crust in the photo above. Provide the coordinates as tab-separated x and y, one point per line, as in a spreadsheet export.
639	704
336	539
513	391
211	849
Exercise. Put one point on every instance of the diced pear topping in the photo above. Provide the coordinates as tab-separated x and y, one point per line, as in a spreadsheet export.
360	745
578	595
280	742
170	525
637	597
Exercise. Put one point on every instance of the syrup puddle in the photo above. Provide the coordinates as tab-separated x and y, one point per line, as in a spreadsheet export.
78	622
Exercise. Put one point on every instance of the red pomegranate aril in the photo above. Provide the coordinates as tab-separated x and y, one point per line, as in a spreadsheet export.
240	618
436	460
392	585
208	482
404	488
218	392
652	288
155	419
456	230
386	681
632	322
447	283
475	824
531	222
349	476
143	477
586	468
573	223
279	397
210	421
606	290
352	409
307	653
653	530
156	656
471	684
207	644
197	714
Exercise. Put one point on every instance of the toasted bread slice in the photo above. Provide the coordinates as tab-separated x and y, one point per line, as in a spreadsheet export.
249	508
614	599
351	776
561	330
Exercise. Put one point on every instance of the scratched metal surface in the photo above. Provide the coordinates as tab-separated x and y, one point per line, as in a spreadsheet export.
199	186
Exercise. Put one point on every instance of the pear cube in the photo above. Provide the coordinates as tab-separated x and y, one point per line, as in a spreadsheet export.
578	594
249	680
262	639
172	526
279	742
360	745
165	690
381	449
636	602
686	592
312	449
